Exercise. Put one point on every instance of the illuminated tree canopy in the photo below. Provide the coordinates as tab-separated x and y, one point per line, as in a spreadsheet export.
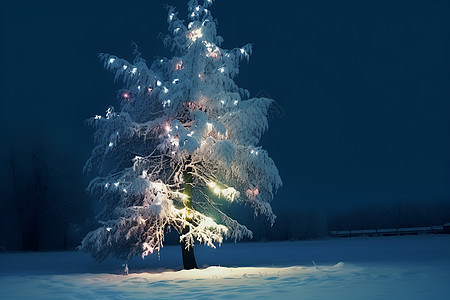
182	147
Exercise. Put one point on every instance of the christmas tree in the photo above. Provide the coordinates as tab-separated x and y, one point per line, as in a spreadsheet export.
183	146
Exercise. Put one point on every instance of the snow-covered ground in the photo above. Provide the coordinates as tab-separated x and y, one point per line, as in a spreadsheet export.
402	267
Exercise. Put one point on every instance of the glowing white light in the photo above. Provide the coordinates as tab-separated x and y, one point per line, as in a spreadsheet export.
193	14
106	185
111	60
191	133
116	184
209	127
139	87
150	89
97	117
195	34
158	83
125	190
211	184
162	60
230	193
111	144
222	70
133	71
253	151
216	190
175	81
175	142
221	101
235	102
256	152
165	90
176	30
197	8
125	67
168	101
108	229
242	51
171	16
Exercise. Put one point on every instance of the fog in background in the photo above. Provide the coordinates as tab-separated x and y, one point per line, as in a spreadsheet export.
360	133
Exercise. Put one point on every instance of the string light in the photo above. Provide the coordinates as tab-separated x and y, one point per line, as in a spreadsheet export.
195	34
179	65
111	60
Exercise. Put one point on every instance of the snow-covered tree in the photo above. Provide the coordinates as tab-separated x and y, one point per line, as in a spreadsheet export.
183	145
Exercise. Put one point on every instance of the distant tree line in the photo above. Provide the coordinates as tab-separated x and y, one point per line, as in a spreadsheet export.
44	206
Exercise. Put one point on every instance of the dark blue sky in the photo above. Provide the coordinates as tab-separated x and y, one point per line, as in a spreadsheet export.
364	86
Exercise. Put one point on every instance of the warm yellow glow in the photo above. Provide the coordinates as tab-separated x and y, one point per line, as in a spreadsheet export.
212	184
217	190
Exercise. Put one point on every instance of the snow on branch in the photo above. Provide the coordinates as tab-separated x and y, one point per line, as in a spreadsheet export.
181	148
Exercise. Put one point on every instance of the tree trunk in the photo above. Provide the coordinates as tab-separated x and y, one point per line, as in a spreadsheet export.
188	252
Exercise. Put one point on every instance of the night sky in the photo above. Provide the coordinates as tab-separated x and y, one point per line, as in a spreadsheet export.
363	88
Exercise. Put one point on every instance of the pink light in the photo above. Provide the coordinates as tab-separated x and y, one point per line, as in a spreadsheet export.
252	193
179	65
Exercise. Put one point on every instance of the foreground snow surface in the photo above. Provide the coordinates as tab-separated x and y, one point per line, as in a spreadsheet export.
406	267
